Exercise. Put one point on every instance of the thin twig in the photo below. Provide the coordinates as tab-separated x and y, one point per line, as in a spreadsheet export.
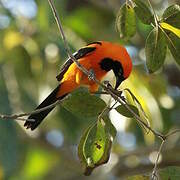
167	36
106	110
172	133
18	116
112	107
121	100
70	55
154	173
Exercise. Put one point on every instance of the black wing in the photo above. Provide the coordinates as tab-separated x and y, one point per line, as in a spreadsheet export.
79	54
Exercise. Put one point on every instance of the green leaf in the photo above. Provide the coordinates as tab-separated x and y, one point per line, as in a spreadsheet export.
173	44
126	22
136	101
143	12
95	144
81	145
170	173
125	112
155	49
83	104
141	111
172	15
109	127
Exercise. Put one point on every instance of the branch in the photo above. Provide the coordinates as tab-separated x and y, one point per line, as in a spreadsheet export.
70	55
172	133
117	96
170	158
154	173
15	117
18	116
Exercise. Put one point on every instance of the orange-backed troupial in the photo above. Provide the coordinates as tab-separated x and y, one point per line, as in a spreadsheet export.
100	57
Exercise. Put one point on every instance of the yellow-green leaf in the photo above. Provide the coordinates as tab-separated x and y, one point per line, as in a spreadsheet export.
171	28
137	103
126	22
95	144
155	49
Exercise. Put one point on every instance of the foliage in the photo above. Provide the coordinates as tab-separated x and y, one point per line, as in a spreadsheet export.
126	22
31	53
83	104
170	173
166	31
95	145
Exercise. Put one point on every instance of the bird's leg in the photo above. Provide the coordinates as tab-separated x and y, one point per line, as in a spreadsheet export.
102	92
107	83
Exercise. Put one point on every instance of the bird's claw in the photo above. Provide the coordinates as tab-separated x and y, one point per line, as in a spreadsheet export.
119	93
107	84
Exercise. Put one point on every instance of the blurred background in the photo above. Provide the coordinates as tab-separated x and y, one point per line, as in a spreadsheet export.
31	54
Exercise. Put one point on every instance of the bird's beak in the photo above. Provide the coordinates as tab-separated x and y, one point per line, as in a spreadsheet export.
119	79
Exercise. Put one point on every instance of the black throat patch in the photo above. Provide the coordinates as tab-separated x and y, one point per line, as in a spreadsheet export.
108	64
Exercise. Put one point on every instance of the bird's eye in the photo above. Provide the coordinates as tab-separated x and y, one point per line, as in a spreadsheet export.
120	73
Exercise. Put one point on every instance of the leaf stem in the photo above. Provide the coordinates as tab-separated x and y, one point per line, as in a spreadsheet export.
154	14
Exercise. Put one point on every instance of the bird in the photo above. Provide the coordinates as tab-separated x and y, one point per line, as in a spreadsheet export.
100	57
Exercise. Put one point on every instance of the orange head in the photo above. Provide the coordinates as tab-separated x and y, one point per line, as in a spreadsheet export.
116	58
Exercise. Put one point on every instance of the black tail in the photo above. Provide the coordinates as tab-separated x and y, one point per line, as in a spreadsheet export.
38	117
